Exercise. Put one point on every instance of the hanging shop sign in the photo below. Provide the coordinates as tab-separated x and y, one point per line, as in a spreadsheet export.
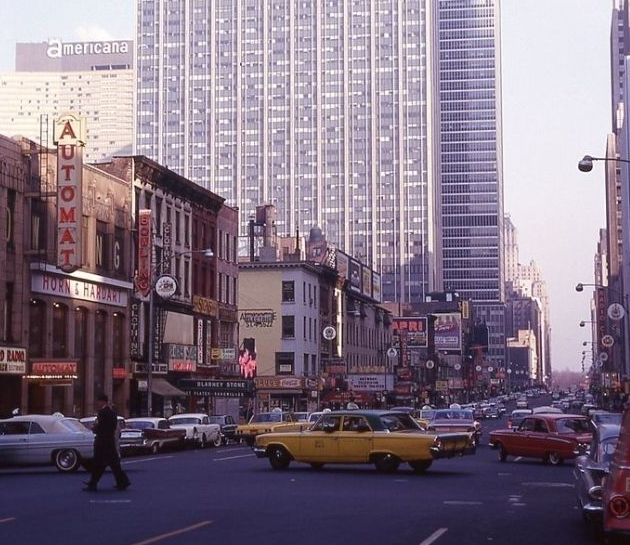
69	135
181	357
278	383
12	360
145	234
203	305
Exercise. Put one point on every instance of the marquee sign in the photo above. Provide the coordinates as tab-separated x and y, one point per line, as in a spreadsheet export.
143	277
69	135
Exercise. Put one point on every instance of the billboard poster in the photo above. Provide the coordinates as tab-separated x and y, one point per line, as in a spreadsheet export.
415	330
366	277
376	287
448	332
343	263
354	270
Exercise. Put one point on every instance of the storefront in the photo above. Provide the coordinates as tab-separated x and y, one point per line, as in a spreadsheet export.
12	372
286	393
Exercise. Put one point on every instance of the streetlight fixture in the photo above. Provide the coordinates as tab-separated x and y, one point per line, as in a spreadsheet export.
586	163
584	322
169	289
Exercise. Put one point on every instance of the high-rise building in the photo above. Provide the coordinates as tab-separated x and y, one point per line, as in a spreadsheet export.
469	163
92	79
319	108
378	121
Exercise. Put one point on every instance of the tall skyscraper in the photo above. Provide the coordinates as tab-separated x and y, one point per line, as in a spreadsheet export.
379	121
91	79
469	163
319	108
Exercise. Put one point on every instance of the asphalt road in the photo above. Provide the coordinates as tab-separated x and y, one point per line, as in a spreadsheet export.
228	496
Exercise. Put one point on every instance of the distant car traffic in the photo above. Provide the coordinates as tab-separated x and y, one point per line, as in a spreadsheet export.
37	439
517	416
550	437
266	422
455	420
383	438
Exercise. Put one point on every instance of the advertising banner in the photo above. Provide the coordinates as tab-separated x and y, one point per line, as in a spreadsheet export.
415	328
343	265
376	287
355	275
366	278
143	277
448	332
12	360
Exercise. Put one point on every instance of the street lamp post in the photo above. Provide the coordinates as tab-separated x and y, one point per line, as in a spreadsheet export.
167	293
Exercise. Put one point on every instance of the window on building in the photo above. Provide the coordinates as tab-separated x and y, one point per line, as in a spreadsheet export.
158	216
285	363
100	349
37	328
60	331
178	227
305	370
186	278
288	291
10	220
118	339
7	333
38	233
187	230
288	327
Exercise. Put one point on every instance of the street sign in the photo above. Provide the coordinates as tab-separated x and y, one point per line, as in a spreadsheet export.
603	356
329	333
607	341
430	364
166	286
392	352
616	312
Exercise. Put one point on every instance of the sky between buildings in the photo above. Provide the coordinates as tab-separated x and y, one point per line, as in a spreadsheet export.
556	108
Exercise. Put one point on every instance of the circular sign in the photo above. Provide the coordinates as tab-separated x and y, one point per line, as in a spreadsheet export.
430	364
616	312
478	368
509	371
603	356
457	366
392	352
490	369
608	341
166	286
329	333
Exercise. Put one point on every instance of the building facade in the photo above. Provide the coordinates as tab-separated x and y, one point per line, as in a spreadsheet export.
92	79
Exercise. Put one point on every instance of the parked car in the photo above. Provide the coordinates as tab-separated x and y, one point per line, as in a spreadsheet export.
38	439
616	485
383	438
227	425
591	467
268	422
154	433
199	430
455	420
551	437
125	446
605	417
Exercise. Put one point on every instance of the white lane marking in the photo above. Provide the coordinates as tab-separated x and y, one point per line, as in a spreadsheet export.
518	458
401	480
126	462
9	519
434	536
232	457
110	501
461	502
549	485
504	474
173	533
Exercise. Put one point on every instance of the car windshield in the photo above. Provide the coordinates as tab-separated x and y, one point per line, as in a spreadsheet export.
140	424
185	420
453	414
398	422
607	418
607	449
428	414
216	419
572	425
72	425
266	417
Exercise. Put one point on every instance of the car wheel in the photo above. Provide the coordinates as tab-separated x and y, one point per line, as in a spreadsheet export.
420	466
554	459
386	463
279	458
502	453
317	465
155	448
218	441
67	460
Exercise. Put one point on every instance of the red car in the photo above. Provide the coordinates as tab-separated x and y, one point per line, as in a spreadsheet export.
551	437
616	485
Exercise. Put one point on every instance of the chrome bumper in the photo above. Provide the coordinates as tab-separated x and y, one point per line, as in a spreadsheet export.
260	452
439	453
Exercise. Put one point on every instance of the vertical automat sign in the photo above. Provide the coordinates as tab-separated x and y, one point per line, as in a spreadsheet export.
69	135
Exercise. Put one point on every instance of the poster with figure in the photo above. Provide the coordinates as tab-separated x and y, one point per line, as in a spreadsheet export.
448	332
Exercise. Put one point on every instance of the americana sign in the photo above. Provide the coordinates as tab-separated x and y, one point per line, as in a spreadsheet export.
69	135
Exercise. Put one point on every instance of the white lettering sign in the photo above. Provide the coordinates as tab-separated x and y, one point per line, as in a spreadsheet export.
57	49
78	289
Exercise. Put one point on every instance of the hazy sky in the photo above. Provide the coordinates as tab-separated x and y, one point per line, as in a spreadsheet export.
556	108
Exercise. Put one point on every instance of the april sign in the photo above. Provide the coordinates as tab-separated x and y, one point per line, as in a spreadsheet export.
70	138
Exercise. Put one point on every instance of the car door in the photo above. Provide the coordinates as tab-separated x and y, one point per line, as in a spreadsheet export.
14	443
41	444
355	439
321	442
520	440
538	439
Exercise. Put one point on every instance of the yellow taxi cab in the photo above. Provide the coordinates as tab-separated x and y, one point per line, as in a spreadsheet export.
266	422
383	438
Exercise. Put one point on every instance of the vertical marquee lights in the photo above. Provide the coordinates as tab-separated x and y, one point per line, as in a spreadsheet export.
69	135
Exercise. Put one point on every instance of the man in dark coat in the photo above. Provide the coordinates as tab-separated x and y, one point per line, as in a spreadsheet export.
105	451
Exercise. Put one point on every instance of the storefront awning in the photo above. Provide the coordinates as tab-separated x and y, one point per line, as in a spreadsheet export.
164	388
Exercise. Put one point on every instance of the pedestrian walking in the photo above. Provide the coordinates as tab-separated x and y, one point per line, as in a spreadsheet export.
105	447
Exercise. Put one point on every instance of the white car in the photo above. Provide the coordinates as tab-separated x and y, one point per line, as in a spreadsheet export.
199	430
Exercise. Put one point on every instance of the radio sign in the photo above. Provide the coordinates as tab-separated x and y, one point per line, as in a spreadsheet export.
70	139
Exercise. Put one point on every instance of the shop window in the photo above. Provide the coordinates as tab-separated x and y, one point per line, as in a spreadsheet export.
37	328
60	331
